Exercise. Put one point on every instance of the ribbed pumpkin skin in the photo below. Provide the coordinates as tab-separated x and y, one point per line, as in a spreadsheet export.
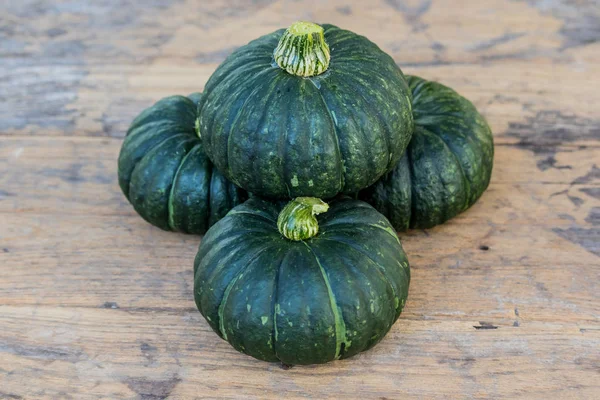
301	302
446	167
281	136
165	174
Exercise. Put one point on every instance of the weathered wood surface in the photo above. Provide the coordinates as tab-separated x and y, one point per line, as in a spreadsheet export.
95	303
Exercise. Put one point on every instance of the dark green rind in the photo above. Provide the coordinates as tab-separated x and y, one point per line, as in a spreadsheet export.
447	165
282	136
301	302
165	174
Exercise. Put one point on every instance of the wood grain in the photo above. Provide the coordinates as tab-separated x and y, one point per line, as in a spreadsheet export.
97	304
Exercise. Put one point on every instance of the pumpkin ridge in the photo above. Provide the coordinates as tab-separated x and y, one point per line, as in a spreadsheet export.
469	137
157	145
223	243
153	177
385	129
335	133
164	108
212	86
472	138
141	137
183	144
236	212
209	197
343	227
171	222
231	75
340	325
461	113
410	185
239	113
164	125
282	148
368	149
411	174
274	333
215	92
459	163
415	89
230	286
125	156
190	203
283	153
377	267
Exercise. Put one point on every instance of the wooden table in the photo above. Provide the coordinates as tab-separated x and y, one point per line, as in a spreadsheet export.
95	303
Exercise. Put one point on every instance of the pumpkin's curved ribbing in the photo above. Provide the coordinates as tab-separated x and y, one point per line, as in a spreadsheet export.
301	302
165	174
447	165
284	136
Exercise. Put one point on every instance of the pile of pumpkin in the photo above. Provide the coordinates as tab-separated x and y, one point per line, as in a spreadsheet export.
308	150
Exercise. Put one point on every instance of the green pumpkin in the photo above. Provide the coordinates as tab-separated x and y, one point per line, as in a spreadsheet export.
165	174
446	167
312	111
304	301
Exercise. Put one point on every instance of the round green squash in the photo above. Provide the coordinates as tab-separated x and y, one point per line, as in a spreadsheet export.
292	286
446	167
165	174
309	111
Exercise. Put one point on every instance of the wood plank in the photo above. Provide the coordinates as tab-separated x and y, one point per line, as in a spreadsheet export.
103	352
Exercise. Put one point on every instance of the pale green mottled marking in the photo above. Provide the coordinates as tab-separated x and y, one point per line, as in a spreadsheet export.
264	319
294	181
277	312
171	218
372	306
197	127
290	323
311	183
334	117
248	307
340	326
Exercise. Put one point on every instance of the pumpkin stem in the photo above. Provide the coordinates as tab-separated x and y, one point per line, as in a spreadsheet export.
302	50
297	219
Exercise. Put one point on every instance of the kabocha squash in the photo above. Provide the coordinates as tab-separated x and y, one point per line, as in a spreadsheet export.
165	174
309	111
446	167
292	286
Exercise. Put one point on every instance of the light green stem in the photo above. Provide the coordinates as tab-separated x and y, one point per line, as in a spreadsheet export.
302	50
297	220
